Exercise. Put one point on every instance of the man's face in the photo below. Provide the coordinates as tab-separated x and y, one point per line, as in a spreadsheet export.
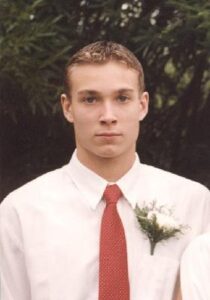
105	108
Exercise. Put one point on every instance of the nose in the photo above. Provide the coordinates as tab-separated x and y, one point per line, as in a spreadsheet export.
108	115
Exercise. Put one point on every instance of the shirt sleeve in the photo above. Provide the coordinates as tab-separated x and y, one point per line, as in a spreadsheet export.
195	269
13	275
206	215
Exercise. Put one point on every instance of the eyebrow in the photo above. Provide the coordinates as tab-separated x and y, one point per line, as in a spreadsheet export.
125	90
93	92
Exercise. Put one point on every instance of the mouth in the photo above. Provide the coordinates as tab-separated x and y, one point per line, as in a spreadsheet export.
108	134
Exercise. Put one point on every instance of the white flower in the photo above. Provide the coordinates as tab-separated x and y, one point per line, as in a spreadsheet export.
157	223
162	219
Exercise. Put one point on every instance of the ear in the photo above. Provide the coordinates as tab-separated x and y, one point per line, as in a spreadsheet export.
144	105
67	107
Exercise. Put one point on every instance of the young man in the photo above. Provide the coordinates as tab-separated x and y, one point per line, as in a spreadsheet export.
63	235
195	269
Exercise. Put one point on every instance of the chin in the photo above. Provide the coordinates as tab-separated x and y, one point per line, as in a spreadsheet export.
107	156
109	153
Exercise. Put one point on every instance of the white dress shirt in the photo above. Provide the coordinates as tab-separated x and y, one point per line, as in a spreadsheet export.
195	269
50	230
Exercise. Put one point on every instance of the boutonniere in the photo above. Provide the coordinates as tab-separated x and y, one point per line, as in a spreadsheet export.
157	223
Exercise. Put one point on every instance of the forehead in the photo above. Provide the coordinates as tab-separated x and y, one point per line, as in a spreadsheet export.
112	74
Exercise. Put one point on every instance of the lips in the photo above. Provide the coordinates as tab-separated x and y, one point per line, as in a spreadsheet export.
108	134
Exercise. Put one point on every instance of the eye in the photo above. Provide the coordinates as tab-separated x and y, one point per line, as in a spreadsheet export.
89	99
123	98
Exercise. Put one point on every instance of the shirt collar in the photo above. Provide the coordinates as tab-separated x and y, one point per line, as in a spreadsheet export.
92	186
129	183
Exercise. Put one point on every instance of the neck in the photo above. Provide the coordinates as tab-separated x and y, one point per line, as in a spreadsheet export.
111	169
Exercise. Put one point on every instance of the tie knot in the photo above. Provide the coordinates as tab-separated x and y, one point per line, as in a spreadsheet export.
112	193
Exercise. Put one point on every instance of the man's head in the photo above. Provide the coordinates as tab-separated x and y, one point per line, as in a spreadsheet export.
100	53
105	100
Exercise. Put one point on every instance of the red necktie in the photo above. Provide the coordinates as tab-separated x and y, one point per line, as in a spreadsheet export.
113	269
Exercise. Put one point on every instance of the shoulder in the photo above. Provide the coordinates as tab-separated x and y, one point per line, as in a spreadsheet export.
196	256
199	246
166	179
42	187
195	268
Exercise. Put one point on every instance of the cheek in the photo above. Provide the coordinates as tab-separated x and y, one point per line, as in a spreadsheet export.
132	118
83	122
132	125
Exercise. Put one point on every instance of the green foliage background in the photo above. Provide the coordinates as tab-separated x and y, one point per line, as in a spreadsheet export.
172	40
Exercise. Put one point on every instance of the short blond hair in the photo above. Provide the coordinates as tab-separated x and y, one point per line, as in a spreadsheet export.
102	52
